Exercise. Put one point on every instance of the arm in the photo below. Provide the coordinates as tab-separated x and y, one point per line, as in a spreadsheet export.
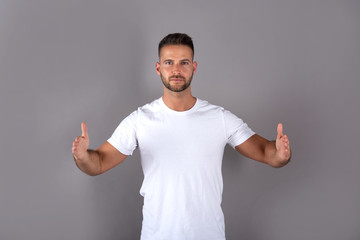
274	153
94	162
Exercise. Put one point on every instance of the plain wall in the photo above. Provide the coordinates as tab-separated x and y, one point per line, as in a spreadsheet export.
267	61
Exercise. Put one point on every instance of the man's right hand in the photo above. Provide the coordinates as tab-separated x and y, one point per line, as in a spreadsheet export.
81	144
94	162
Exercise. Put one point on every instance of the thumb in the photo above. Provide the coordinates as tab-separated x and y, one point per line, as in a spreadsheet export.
84	130
280	130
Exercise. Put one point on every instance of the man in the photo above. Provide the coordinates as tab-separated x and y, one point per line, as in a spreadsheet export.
181	140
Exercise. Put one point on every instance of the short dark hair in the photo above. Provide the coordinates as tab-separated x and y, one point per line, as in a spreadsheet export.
176	39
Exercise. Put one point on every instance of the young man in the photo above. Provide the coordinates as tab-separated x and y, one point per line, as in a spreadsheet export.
181	140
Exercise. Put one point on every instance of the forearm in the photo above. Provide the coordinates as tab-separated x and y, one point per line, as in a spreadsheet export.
90	163
271	156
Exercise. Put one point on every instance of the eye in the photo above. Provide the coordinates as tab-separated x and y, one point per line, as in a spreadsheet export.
168	62
185	63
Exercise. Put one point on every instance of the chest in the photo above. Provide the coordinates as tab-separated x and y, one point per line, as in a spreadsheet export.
197	135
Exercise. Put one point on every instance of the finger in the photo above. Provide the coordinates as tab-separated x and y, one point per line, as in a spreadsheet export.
286	139
84	130
280	130
74	148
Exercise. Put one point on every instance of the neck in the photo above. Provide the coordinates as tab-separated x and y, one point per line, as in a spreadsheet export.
179	101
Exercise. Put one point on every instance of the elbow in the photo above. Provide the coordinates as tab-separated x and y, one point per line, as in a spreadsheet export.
278	164
90	173
93	174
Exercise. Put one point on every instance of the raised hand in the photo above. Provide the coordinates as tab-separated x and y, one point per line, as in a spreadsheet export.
282	144
81	143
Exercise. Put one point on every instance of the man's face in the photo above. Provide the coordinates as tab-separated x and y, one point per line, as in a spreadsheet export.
176	67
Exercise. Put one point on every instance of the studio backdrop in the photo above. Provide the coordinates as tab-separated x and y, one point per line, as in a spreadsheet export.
267	61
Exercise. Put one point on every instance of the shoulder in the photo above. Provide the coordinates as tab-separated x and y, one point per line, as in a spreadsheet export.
147	109
146	112
154	106
215	110
205	106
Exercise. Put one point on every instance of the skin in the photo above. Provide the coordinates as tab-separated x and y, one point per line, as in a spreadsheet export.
176	69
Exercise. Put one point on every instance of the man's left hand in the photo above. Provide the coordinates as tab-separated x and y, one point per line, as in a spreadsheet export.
282	144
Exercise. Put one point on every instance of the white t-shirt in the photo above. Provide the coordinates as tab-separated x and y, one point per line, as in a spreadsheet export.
181	155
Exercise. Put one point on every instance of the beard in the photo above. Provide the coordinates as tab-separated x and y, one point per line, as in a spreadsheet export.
177	88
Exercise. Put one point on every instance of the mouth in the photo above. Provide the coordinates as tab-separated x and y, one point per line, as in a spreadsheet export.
177	79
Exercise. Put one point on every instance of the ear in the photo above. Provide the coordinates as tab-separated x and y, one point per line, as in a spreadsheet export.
194	66
157	67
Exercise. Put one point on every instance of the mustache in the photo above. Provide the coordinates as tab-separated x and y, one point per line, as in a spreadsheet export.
177	76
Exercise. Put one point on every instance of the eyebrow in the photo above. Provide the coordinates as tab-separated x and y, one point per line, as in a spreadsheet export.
182	60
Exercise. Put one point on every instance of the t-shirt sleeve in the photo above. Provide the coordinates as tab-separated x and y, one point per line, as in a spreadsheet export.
237	131
124	138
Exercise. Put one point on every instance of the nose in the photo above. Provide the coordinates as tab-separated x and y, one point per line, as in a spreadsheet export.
176	69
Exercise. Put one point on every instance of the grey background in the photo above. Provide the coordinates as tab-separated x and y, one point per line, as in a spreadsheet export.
63	62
